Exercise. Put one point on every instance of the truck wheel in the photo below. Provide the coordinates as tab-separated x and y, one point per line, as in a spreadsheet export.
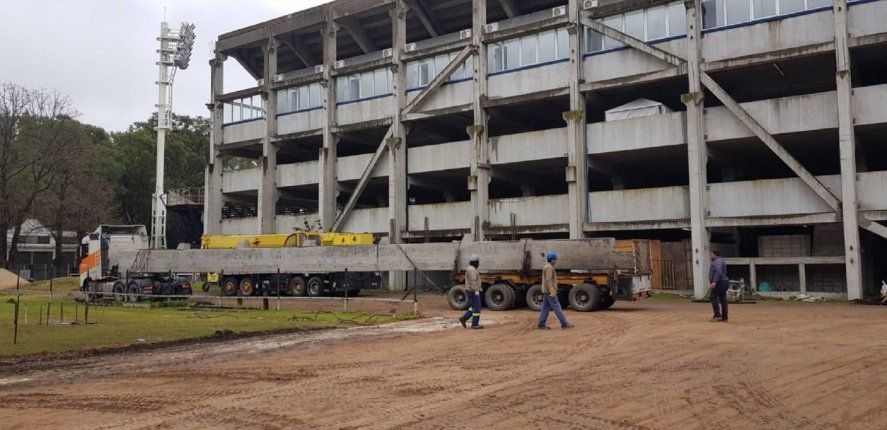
315	287
297	287
499	297
607	302
457	298
229	286
585	297
134	292
119	291
247	286
520	296
534	297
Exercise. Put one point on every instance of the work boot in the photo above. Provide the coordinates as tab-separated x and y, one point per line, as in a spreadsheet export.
477	327
543	327
568	325
461	321
715	319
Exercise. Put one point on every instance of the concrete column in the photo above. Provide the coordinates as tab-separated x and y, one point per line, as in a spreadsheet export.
479	179
577	155
212	199
268	193
397	144
802	277
753	275
696	151
847	150
328	185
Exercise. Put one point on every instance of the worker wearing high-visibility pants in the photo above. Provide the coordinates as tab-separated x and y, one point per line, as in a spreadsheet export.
473	290
549	295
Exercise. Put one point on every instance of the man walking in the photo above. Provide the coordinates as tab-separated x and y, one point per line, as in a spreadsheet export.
549	295
473	289
717	276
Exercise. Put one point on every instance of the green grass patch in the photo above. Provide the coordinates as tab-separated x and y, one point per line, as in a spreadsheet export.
115	326
59	285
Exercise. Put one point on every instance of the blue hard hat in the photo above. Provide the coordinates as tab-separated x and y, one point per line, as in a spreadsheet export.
551	256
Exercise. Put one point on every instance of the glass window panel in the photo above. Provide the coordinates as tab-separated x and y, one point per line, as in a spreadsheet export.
563	43
634	24
547	46
425	68
440	63
713	13
529	47
593	41
412	75
764	8
304	97
814	4
656	23
469	67
738	11
496	58
614	22
282	102
316	96
226	113
366	85
341	89
354	90
790	6
677	19
380	86
512	54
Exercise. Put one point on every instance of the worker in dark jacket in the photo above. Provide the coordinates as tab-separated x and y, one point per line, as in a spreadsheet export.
474	290
549	295
717	277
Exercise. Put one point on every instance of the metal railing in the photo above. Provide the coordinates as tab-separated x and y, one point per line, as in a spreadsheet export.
185	197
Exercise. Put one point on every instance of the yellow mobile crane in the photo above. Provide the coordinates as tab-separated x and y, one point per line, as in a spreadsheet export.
296	284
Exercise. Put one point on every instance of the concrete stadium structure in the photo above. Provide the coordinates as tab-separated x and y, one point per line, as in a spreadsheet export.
758	127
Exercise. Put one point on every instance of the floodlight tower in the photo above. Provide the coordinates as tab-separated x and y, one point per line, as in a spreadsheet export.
175	53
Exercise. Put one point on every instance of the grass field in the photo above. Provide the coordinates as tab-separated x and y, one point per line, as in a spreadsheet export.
114	326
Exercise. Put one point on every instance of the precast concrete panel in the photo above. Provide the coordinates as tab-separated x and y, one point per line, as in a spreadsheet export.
638	133
624	62
371	220
300	121
441	216
530	80
530	146
449	95
365	110
239	181
240	225
351	168
645	204
298	174
530	211
251	130
867	18
776	35
788	196
435	158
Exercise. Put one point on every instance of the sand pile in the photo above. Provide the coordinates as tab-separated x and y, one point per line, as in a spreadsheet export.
7	279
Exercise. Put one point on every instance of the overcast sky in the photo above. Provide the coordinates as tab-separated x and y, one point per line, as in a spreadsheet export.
102	52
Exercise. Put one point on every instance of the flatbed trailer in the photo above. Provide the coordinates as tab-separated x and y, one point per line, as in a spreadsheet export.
581	291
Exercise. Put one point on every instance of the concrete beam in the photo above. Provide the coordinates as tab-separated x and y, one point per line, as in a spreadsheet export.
238	55
438	80
363	181
352	25
428	21
295	44
510	8
872	226
770	142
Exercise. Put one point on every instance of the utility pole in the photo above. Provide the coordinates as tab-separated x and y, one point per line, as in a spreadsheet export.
175	53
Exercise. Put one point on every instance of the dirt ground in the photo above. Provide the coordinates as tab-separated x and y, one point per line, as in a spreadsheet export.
642	365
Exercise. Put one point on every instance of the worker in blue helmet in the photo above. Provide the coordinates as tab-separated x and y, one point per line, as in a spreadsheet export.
473	290
549	295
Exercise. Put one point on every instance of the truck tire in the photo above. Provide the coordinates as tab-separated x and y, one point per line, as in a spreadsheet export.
534	297
229	286
585	297
499	297
520	295
315	286
134	292
297	287
247	286
457	298
607	302
119	291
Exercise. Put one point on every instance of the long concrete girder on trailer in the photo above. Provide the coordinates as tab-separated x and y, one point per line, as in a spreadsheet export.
577	254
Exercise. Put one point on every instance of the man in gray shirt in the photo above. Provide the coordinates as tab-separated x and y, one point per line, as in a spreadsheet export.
717	277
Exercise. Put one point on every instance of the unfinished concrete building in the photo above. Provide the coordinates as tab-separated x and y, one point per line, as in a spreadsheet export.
757	127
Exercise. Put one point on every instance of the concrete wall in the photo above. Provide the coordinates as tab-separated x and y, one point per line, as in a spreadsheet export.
627	62
296	174
542	78
240	181
374	220
448	95
637	133
535	145
300	121
769	36
244	131
647	204
784	245
530	211
441	216
867	18
435	158
351	168
240	226
365	110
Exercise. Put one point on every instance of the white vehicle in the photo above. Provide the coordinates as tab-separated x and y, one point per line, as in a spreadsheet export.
100	276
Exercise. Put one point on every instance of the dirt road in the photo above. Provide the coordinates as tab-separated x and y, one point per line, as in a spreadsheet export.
641	365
